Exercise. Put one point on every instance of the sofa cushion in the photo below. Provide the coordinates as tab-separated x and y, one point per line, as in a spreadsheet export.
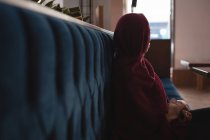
54	77
170	89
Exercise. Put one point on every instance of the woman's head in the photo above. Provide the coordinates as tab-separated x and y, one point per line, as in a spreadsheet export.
132	35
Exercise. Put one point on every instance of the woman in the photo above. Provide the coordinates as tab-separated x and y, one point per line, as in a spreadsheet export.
141	109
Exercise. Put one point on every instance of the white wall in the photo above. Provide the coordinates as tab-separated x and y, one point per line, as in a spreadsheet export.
116	12
71	3
192	30
107	11
113	10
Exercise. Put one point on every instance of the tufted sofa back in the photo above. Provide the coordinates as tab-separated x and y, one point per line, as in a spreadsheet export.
54	75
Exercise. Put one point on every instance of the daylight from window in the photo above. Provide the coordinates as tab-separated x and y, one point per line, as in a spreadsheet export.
157	13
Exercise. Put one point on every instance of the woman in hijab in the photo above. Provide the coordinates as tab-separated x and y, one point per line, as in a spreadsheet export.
141	108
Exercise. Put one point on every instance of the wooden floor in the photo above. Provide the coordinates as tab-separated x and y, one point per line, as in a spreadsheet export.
195	98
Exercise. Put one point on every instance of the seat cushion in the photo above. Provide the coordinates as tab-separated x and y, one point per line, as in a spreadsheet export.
170	89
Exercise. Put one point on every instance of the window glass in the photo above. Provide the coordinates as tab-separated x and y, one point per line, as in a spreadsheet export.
157	13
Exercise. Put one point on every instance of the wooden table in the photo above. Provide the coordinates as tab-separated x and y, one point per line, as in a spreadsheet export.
202	73
195	63
205	71
202	70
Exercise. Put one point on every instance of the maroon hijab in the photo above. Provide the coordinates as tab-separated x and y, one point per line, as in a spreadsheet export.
140	102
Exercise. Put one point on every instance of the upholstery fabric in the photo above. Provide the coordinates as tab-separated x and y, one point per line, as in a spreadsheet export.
54	78
170	89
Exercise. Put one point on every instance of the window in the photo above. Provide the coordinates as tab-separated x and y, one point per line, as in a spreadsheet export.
157	13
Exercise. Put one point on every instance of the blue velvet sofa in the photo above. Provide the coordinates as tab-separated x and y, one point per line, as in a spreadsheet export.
54	75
